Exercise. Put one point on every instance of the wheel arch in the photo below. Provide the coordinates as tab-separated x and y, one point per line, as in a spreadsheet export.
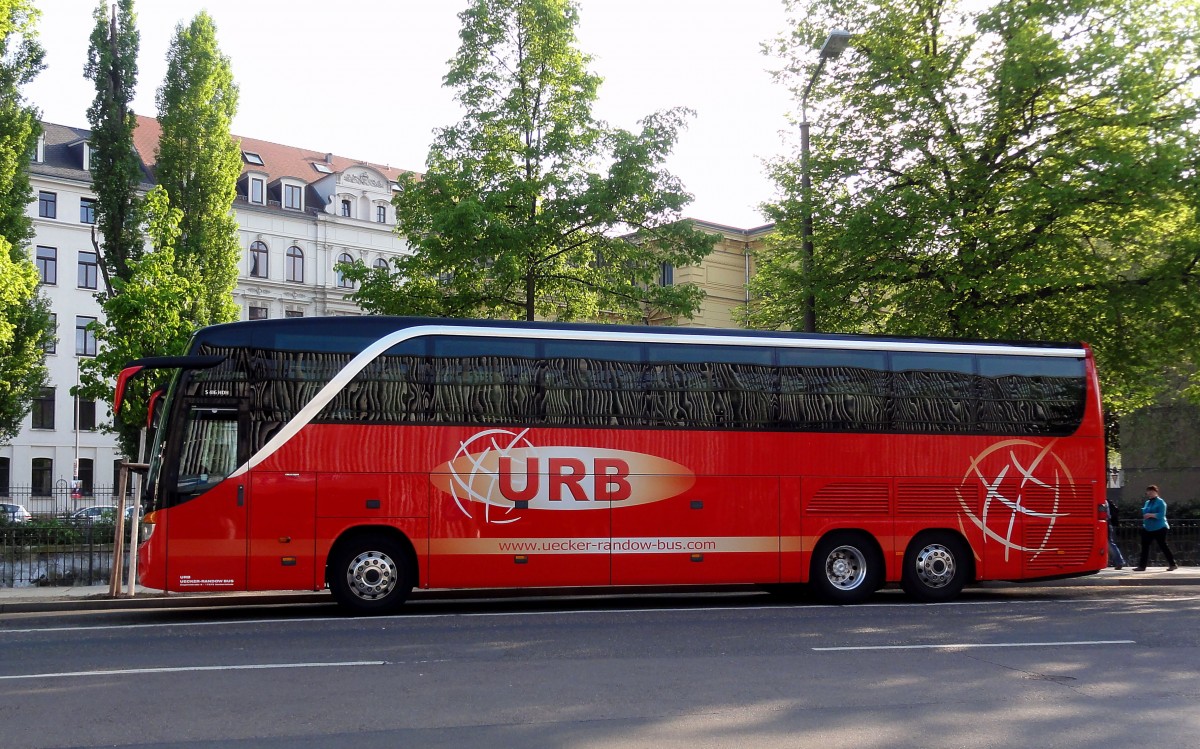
848	530
354	533
971	558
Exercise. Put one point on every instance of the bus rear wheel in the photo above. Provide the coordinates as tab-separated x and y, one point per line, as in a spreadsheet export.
936	567
846	568
368	574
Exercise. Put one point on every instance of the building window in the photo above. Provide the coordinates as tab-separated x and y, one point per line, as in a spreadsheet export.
667	274
258	259
42	413
258	313
380	264
342	281
85	410
89	269
252	158
5	478
292	197
294	270
381	214
51	346
293	313
47	204
256	190
85	337
47	265
87	476
87	211
345	207
43	476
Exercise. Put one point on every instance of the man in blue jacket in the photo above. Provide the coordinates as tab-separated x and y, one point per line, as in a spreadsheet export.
1154	528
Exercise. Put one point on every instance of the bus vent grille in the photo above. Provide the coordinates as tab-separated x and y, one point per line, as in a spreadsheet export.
1066	546
852	499
1075	501
933	499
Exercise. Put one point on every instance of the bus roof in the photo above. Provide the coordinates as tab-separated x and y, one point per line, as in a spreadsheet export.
352	334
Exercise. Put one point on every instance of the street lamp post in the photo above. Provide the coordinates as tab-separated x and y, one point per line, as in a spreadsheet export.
831	49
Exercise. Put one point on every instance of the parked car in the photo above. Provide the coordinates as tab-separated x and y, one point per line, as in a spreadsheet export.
15	513
100	513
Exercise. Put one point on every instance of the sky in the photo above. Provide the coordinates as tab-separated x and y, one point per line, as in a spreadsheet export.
363	79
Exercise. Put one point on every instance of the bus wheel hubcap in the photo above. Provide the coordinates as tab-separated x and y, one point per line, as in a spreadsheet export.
935	566
372	575
846	567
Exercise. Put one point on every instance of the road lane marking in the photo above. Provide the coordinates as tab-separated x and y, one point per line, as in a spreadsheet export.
190	669
971	645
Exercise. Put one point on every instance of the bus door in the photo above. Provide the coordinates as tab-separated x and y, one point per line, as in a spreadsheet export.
205	509
282	530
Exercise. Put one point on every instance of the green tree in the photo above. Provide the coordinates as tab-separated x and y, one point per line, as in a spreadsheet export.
1020	170
149	313
25	326
199	163
530	206
116	168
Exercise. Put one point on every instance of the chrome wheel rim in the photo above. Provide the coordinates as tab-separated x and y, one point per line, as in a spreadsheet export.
846	568
372	575
935	566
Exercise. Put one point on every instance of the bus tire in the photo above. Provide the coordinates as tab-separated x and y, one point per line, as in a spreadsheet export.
937	565
368	574
846	567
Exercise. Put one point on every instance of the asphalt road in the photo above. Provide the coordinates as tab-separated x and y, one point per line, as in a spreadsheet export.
1055	667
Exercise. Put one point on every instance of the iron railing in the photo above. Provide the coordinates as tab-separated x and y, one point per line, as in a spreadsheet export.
1183	539
61	501
56	552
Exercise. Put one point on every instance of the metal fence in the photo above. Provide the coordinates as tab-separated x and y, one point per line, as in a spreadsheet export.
61	501
1183	538
56	552
62	552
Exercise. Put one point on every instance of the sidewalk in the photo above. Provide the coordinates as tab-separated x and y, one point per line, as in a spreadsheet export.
95	597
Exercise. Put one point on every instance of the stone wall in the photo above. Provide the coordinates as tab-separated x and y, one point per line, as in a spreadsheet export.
1161	445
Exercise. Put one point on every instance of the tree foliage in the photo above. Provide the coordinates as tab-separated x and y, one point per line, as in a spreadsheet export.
149	313
519	211
1017	170
199	163
25	325
115	166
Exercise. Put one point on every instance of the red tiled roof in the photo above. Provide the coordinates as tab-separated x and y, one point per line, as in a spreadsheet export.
278	160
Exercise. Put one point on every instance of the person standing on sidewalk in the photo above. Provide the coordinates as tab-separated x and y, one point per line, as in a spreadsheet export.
1154	528
1115	558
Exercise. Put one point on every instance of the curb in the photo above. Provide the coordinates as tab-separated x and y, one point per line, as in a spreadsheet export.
99	601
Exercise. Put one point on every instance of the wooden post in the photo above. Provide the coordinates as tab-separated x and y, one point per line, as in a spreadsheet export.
114	582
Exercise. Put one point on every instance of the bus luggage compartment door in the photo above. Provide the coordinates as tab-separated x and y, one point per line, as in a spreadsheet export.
282	531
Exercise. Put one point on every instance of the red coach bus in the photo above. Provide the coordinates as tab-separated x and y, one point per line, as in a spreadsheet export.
370	455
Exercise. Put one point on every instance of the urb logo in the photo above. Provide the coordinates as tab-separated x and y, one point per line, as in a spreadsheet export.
504	472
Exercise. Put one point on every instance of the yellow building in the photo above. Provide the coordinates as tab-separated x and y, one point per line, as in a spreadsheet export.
724	275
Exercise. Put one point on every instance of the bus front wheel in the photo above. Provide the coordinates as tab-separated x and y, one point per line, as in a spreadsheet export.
846	568
368	574
936	567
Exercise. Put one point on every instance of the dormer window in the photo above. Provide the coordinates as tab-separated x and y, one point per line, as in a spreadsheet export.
39	153
293	197
257	190
252	158
87	157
